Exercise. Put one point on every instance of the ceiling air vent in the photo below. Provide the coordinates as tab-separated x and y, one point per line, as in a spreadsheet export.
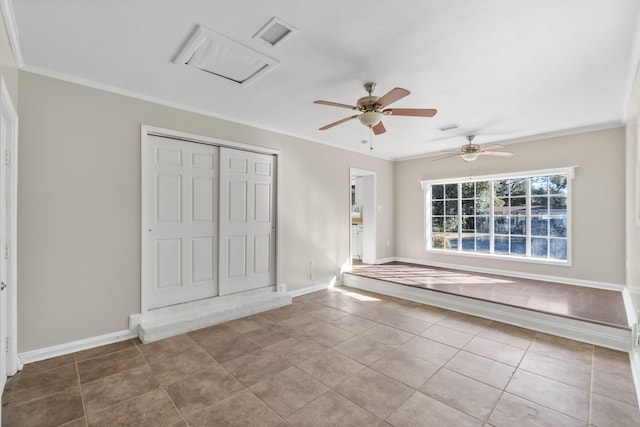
274	31
449	127
220	56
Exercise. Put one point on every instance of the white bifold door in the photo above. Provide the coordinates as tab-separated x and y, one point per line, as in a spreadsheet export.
209	221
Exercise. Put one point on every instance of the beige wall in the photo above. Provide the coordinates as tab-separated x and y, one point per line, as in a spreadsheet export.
632	157
79	206
598	203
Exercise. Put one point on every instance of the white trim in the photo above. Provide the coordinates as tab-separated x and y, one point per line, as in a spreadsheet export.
634	358
518	274
634	62
184	107
145	131
75	346
502	257
384	260
314	288
13	362
604	336
538	137
192	137
143	219
12	31
427	185
628	306
567	170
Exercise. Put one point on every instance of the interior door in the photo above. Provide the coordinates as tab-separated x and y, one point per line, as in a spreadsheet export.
247	223
8	226
181	221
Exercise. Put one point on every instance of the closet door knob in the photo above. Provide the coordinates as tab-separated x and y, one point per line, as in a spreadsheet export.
2	286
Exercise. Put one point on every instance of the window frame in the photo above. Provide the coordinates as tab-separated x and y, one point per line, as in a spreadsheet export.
426	185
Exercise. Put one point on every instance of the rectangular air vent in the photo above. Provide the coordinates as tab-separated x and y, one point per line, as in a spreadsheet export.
220	56
274	31
449	127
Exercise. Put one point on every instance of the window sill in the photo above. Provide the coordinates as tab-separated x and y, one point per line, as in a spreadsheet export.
498	257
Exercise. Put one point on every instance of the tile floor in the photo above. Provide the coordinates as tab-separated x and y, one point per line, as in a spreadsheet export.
341	357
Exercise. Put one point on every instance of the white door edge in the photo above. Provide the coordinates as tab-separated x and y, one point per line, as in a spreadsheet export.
12	362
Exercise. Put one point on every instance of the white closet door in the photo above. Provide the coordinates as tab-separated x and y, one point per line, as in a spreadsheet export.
247	224
181	221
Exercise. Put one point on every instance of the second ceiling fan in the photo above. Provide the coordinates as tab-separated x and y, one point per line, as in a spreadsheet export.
372	109
470	152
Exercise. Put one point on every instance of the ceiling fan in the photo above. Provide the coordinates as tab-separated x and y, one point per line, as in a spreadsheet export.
471	151
372	109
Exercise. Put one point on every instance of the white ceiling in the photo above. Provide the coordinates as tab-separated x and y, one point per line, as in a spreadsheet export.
506	70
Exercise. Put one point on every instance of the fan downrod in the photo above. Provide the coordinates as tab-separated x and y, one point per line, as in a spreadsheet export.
369	87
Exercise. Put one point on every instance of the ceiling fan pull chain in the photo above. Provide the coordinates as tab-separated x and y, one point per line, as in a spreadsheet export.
370	139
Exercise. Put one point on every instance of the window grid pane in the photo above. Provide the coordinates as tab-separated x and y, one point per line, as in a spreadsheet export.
523	217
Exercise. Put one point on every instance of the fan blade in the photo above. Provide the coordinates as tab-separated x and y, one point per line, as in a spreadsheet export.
491	147
446	156
496	153
378	129
414	112
335	104
330	125
392	96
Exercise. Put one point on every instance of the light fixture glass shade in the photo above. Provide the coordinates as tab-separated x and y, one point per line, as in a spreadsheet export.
469	157
370	118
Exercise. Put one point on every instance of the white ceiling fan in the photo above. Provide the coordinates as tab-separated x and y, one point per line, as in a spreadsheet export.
470	152
372	109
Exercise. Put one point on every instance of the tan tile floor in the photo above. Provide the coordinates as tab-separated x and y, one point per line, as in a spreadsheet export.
341	357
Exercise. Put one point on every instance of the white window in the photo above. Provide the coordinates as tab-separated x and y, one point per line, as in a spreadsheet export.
523	216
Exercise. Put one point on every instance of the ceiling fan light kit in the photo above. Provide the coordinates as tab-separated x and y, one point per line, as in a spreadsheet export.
470	157
370	118
470	152
372	109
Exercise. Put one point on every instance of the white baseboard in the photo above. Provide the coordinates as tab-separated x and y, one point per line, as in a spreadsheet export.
385	260
601	335
521	275
312	289
75	346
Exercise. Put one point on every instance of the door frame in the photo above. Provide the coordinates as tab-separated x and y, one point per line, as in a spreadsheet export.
11	162
147	130
369	233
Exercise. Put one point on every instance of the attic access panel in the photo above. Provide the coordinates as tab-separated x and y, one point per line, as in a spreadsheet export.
221	56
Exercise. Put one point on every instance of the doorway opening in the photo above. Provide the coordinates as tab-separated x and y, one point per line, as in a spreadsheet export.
363	216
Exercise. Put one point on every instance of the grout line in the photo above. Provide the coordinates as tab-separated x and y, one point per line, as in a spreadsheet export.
447	315
504	390
84	406
159	382
593	364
